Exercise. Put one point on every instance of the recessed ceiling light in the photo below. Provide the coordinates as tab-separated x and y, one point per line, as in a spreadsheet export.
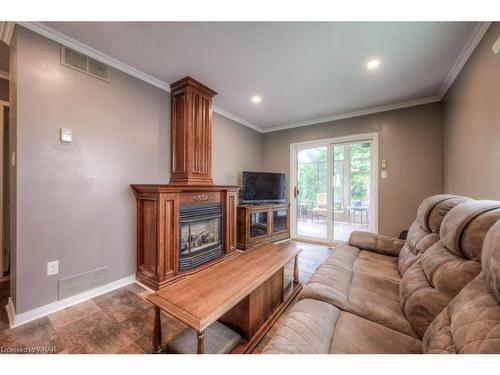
256	99
372	64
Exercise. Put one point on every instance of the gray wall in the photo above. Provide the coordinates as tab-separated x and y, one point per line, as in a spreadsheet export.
471	125
74	203
235	148
409	139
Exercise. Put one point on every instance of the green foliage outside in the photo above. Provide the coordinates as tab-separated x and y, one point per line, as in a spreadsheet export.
360	172
312	173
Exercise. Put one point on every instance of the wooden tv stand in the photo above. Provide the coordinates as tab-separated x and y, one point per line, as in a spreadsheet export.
259	223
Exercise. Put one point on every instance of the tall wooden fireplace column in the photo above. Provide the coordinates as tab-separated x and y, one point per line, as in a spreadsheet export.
159	205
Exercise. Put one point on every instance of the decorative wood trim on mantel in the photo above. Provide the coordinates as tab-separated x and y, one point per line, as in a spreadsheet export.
168	188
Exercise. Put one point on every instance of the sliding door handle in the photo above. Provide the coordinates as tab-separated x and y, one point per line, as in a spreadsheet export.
296	192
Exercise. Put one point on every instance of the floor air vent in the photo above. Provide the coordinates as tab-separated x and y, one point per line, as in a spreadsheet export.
73	285
78	61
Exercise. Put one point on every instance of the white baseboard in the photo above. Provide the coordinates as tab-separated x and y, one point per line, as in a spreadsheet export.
15	320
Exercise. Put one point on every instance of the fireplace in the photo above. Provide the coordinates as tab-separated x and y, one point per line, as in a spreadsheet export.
200	234
189	223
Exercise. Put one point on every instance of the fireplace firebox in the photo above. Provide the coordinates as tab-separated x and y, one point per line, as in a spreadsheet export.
200	234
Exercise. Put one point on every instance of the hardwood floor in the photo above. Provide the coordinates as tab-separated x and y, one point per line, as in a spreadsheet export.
117	322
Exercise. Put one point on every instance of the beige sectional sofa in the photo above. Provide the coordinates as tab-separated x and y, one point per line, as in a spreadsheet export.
382	295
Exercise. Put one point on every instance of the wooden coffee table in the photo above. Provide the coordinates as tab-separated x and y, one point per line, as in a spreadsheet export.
247	292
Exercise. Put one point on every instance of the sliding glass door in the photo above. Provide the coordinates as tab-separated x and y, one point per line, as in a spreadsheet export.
311	192
333	188
351	188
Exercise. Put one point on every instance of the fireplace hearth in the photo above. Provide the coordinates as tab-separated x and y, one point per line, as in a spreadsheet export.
200	234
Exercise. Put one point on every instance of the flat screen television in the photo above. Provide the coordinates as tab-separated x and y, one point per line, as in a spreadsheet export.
263	187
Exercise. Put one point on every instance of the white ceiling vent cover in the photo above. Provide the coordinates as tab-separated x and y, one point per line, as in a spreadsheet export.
84	64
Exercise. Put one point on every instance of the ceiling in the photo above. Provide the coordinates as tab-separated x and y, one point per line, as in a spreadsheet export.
305	72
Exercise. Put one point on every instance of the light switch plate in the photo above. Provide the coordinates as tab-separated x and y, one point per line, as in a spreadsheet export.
66	135
383	175
52	268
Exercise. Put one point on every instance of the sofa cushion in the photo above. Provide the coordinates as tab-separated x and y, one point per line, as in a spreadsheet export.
423	233
491	260
448	265
377	243
330	283
469	324
352	258
377	300
471	321
307	329
362	294
425	230
353	334
378	265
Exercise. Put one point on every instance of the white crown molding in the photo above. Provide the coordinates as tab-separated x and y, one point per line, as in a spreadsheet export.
61	38
67	41
7	31
15	320
362	112
4	75
237	119
464	55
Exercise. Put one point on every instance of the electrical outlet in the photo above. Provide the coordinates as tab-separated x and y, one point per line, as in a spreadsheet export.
53	268
66	135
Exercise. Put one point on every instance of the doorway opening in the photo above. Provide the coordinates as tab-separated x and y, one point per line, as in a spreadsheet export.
334	187
4	204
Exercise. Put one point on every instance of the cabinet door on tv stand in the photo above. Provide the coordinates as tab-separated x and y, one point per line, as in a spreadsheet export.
279	219
258	227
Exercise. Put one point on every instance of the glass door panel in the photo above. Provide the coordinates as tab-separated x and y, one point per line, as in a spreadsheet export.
258	224
280	219
351	188
311	194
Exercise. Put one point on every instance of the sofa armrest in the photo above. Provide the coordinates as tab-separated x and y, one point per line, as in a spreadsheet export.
376	243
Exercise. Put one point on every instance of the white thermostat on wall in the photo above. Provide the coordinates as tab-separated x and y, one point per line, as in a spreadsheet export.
66	135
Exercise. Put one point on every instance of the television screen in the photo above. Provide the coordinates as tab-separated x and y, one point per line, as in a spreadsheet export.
262	187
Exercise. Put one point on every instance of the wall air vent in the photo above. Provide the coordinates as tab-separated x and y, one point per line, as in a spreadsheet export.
77	284
84	64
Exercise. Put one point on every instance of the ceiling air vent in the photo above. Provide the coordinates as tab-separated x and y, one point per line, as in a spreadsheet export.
84	64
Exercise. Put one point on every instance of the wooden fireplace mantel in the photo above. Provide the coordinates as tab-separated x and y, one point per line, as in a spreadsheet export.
158	227
191	183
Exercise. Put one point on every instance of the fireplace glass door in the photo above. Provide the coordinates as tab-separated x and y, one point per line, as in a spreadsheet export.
200	237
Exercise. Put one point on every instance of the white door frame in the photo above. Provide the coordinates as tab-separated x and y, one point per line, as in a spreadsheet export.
373	214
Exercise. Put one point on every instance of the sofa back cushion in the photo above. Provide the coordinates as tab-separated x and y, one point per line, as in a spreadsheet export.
424	231
470	323
447	266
